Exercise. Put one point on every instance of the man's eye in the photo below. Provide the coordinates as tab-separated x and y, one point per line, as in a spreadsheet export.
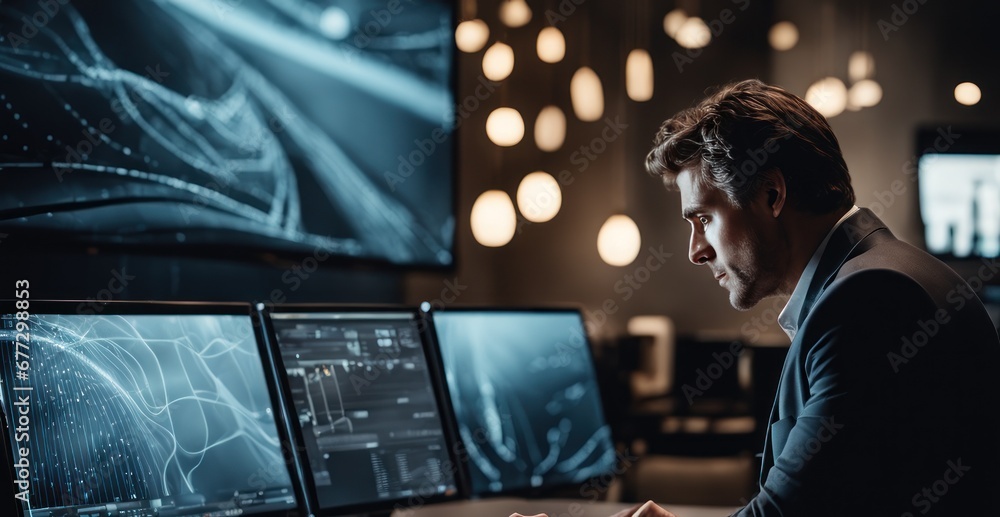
703	220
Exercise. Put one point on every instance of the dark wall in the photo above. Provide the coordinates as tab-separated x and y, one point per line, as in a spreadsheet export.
105	275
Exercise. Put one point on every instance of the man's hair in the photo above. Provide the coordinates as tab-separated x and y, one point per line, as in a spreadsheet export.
734	136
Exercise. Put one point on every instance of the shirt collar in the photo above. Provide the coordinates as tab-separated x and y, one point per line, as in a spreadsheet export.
788	319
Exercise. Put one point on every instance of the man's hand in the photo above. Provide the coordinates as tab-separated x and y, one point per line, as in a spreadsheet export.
649	509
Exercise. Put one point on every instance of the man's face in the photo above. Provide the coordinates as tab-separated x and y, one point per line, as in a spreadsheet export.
739	245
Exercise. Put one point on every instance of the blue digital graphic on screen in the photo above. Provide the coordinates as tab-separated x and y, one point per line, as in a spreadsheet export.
525	397
297	126
960	204
132	415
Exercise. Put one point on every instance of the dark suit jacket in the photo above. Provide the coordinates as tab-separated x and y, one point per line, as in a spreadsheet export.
888	402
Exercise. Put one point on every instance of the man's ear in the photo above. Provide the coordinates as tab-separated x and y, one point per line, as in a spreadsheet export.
774	188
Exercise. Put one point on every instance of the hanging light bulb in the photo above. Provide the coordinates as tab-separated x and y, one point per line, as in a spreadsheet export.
619	241
861	65
551	45
587	94
498	62
694	34
493	219
783	36
828	96
864	94
539	197
639	75
515	13
550	129
673	20
472	35
505	127
968	94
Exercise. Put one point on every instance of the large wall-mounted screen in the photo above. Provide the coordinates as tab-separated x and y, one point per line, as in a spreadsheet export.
281	126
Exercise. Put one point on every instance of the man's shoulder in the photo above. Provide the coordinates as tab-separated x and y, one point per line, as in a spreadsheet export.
858	290
895	280
894	269
886	279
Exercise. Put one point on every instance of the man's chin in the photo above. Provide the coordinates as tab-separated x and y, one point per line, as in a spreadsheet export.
742	303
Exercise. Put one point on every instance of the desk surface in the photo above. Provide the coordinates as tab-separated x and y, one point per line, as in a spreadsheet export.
502	507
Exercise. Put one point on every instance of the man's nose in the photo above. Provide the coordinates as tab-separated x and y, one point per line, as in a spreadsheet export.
699	252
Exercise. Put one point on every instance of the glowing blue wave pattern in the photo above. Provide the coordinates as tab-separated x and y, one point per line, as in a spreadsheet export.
525	397
189	121
170	411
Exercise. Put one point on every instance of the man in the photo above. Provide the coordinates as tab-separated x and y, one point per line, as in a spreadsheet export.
885	405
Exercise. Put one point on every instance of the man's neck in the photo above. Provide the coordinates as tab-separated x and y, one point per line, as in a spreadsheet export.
806	232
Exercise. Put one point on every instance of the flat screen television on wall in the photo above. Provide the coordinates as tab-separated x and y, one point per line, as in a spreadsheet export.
958	174
281	127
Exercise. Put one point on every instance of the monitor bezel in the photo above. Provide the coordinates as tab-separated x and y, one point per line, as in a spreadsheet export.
265	311
525	491
149	307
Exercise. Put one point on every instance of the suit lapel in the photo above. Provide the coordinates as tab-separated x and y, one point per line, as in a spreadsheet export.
847	241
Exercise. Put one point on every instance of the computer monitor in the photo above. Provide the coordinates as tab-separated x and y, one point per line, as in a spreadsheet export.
365	408
958	174
134	409
525	397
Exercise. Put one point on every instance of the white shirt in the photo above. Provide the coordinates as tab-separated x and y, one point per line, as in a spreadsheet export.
788	319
